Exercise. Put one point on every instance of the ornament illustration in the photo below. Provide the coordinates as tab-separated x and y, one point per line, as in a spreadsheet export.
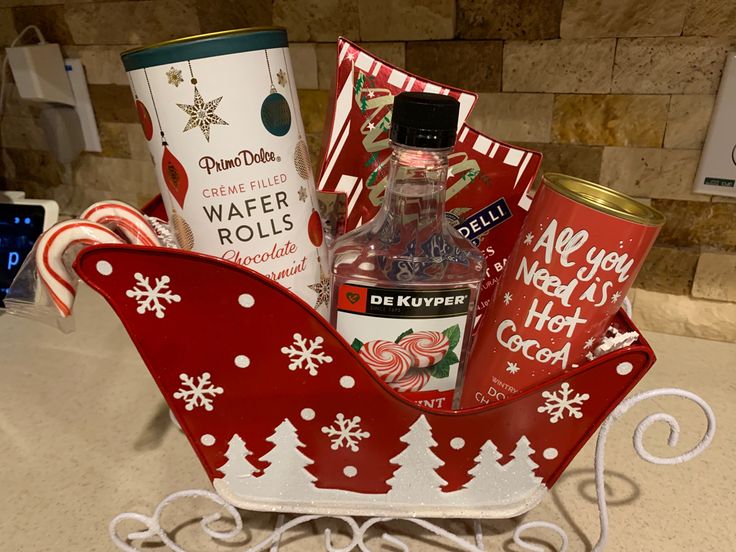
301	159
175	176
322	289
302	192
314	228
182	231
275	112
174	77
201	114
145	118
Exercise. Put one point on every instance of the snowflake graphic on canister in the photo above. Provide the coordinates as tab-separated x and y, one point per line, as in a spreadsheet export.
615	297
345	432
174	76
589	343
528	238
512	367
507	297
152	299
306	354
281	77
302	193
202	114
557	405
197	394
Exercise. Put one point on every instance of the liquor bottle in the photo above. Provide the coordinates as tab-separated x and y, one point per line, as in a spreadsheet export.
405	284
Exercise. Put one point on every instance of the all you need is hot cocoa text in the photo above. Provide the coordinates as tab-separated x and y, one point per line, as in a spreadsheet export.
564	249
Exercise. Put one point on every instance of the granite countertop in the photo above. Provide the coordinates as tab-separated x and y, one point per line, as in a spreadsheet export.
85	435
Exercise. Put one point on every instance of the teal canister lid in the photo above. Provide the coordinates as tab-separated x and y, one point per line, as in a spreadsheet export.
204	46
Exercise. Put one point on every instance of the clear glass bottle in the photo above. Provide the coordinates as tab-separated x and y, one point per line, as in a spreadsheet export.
407	281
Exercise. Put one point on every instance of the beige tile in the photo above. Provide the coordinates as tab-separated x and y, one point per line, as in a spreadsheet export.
514	117
326	65
651	172
697	223
688	120
583	18
711	18
114	140
35	166
391	52
406	19
137	142
102	64
473	65
50	19
715	277
116	175
509	19
222	15
113	103
304	64
684	65
22	133
668	270
610	120
313	104
683	315
317	20
143	22
558	66
7	27
580	161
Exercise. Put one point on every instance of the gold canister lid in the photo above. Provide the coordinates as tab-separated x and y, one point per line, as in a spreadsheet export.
603	199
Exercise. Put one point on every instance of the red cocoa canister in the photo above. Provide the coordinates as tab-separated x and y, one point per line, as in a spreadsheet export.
576	257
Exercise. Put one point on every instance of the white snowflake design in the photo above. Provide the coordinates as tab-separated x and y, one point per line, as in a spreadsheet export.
507	297
528	238
345	432
306	354
152	299
512	367
615	297
197	394
589	343
564	403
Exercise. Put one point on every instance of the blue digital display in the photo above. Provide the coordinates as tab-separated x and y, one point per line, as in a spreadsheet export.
20	226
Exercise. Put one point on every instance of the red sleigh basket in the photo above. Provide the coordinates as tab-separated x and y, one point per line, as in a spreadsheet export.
284	416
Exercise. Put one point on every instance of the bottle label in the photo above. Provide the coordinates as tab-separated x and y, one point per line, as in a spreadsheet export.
411	339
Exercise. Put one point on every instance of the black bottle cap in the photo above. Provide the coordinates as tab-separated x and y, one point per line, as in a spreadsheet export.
423	120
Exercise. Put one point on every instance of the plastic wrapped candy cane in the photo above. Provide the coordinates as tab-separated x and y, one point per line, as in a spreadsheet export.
123	218
45	286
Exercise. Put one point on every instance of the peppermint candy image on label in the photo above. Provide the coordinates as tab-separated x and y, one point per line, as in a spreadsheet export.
426	347
387	359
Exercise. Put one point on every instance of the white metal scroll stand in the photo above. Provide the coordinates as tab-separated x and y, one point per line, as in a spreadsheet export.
358	530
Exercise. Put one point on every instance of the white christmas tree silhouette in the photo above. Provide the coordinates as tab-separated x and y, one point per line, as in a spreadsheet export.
489	477
237	467
520	471
416	479
288	464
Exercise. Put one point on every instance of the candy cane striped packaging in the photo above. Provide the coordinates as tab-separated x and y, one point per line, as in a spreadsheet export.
488	180
221	116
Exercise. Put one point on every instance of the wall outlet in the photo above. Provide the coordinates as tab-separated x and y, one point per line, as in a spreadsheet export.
39	74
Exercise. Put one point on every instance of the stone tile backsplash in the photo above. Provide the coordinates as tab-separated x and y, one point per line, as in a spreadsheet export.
615	91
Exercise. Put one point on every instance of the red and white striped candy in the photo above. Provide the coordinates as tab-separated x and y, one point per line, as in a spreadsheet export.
387	359
414	380
426	347
50	249
120	216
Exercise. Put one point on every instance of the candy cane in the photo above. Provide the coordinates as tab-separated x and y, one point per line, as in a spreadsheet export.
50	249
121	216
